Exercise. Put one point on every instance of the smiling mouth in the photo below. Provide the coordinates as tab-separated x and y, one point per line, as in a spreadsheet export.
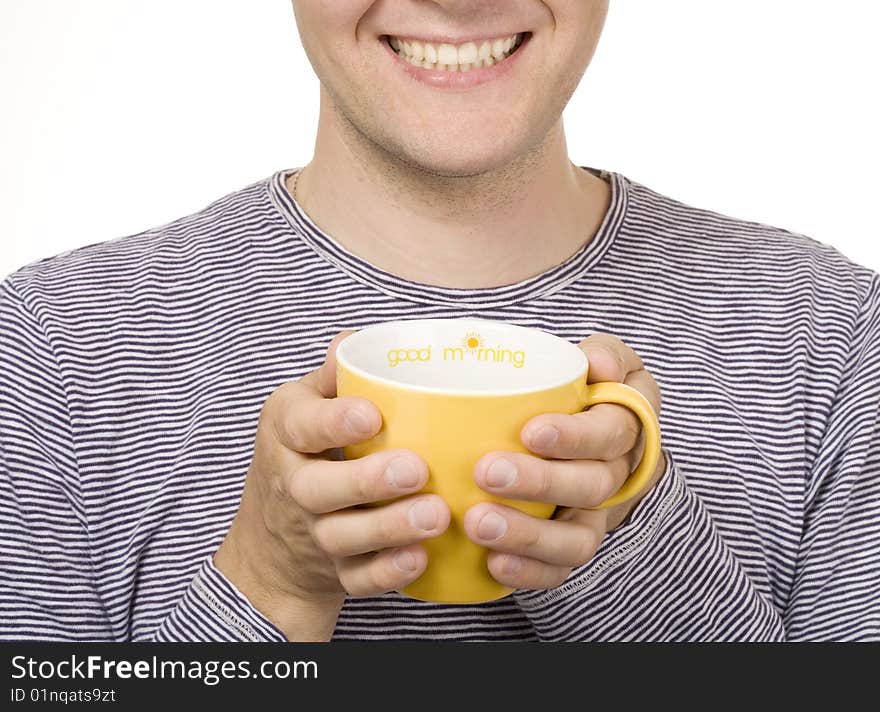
456	58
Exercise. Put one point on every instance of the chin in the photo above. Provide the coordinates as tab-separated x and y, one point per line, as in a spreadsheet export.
457	161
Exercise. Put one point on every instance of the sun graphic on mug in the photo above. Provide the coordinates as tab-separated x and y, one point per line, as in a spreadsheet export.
472	341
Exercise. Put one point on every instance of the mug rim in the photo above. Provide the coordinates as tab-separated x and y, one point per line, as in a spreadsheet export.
343	360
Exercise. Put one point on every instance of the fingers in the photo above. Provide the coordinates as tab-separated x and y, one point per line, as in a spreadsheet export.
323	379
566	543
322	486
584	484
308	418
645	384
307	422
388	570
603	432
610	359
357	531
525	573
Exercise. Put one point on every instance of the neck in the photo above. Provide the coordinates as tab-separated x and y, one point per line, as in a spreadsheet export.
464	231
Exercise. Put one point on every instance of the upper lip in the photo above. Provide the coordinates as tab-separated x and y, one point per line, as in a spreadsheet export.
459	40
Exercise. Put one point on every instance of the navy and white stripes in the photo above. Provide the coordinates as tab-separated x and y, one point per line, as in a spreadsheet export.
132	373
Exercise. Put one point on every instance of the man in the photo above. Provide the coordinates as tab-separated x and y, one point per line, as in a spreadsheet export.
170	430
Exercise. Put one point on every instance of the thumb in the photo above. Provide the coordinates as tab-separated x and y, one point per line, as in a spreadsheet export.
325	376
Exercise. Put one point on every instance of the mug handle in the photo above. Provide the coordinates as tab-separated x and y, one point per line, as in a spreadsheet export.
629	397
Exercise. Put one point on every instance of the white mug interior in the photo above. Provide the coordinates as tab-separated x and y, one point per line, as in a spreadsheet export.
476	356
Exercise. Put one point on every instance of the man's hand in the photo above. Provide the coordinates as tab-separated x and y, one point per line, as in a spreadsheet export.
592	454
299	542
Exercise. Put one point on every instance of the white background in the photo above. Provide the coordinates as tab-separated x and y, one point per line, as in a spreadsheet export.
119	115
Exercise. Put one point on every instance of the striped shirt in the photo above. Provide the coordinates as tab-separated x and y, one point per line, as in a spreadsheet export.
132	374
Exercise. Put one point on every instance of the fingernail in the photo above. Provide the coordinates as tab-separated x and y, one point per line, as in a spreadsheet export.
357	422
401	473
501	473
512	564
546	437
423	515
492	526
405	561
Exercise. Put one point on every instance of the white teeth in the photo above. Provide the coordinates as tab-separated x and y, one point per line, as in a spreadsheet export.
467	53
447	54
451	58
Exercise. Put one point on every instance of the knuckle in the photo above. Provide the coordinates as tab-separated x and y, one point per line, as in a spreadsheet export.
614	342
625	433
619	362
307	488
530	534
271	404
614	347
582	439
293	488
382	578
656	399
618	474
385	528
284	429
310	493
585	548
543	480
365	484
329	423
289	433
605	484
593	492
651	388
353	585
322	535
280	418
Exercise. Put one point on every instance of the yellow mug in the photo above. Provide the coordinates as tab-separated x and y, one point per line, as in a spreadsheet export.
454	389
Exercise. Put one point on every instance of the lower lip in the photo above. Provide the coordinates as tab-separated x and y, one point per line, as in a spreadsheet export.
439	79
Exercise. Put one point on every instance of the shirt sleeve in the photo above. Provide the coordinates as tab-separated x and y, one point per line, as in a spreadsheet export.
48	586
836	591
668	574
214	610
46	590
